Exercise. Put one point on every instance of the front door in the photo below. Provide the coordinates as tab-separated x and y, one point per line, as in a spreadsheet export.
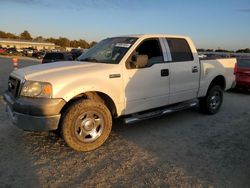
147	87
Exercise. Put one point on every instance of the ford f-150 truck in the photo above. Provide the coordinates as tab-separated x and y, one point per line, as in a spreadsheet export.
134	77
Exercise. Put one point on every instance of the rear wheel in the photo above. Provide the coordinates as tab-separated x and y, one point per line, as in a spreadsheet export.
86	125
211	103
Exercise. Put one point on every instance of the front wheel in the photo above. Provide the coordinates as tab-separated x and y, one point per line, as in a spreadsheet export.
211	103
86	125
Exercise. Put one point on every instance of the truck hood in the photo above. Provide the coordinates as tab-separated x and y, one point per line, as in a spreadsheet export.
43	72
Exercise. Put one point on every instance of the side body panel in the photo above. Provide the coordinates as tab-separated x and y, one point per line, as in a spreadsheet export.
213	68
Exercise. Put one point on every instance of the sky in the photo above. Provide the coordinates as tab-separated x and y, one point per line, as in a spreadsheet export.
214	24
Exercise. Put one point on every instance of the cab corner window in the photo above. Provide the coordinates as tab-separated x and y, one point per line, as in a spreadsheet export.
180	50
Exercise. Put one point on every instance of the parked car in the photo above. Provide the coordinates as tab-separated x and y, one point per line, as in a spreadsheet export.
57	56
20	50
11	50
242	73
2	50
134	77
28	51
39	54
76	52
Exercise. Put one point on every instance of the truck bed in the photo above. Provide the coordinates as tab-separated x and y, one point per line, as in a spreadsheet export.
223	66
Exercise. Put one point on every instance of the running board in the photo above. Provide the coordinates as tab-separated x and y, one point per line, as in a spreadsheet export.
160	112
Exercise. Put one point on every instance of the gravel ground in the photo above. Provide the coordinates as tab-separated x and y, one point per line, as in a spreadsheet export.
184	149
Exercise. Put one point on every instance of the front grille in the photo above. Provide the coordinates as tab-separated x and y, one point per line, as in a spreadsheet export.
13	86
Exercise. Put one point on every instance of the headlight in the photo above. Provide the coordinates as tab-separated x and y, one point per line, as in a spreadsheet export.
36	89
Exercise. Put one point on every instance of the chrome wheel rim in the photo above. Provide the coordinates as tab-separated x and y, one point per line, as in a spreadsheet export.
89	126
215	100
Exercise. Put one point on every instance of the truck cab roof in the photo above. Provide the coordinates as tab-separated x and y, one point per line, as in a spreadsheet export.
154	36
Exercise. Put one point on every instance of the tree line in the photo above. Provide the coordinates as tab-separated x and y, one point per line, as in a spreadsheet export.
246	50
61	41
65	42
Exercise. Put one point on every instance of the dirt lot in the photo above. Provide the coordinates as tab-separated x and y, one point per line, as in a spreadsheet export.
185	149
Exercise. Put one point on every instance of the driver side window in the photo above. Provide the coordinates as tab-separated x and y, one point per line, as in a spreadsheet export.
151	48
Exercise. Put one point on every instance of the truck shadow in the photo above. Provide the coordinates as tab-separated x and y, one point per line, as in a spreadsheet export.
197	148
241	91
178	149
184	148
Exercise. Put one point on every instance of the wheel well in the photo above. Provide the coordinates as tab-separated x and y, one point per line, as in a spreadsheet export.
218	80
96	96
109	103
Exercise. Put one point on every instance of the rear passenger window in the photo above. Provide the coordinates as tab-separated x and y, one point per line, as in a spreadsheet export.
180	50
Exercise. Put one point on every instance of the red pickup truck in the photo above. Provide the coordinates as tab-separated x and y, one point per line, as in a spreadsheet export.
242	73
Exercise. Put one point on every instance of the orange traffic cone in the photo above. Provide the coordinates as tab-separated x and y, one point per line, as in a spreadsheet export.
15	63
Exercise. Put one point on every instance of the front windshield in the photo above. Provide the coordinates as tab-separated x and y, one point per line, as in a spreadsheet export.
110	50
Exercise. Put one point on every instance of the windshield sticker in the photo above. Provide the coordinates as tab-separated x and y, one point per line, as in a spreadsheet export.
123	45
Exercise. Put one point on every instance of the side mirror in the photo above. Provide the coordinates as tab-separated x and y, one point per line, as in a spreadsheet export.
140	61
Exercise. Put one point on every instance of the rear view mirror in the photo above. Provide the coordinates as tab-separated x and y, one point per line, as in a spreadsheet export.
140	61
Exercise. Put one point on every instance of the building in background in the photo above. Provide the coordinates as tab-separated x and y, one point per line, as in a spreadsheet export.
19	44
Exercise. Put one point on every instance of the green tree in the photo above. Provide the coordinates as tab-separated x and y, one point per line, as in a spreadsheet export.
39	39
63	42
92	43
74	44
83	44
25	35
201	50
223	50
247	50
3	34
52	40
8	35
11	36
209	50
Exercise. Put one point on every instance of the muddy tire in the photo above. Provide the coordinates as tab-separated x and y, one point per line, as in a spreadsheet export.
211	103
86	125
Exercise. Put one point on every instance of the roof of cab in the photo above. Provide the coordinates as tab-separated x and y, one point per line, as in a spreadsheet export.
155	35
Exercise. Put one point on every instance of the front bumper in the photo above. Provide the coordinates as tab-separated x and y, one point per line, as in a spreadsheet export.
33	114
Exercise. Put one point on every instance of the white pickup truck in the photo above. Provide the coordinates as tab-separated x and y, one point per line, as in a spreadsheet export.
134	77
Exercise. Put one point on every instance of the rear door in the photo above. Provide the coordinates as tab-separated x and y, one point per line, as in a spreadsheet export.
184	70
